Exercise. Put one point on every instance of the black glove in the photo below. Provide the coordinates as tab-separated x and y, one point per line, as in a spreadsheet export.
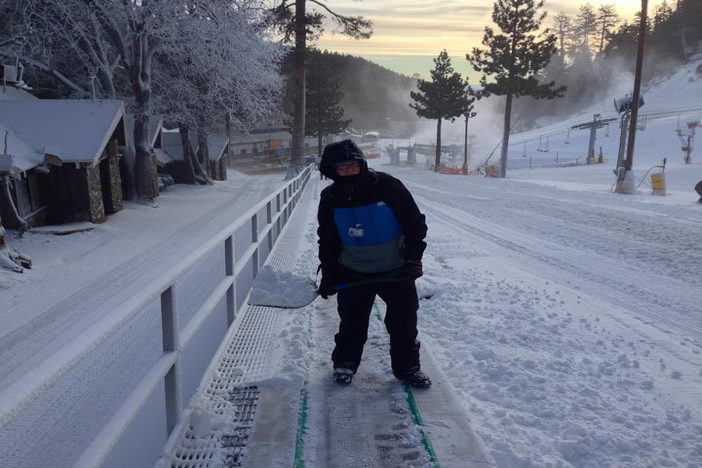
326	283
413	270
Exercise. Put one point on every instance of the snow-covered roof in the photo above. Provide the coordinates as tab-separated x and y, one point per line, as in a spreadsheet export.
24	156
216	145
155	126
162	157
12	93
72	130
172	144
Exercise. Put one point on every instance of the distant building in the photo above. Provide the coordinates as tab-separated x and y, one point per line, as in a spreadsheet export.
65	161
218	149
172	162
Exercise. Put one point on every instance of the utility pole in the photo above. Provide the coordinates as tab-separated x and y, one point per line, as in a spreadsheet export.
624	134
628	184
469	115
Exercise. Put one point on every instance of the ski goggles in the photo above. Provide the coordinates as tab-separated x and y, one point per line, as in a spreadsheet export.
345	165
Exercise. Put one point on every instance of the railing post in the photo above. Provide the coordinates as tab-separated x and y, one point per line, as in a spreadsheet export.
229	259
277	210
254	240
269	222
171	344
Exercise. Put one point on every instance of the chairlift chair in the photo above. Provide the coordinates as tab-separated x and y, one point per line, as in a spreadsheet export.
567	141
641	125
543	147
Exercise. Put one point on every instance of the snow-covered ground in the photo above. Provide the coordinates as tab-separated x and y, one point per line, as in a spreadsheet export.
567	318
73	275
568	321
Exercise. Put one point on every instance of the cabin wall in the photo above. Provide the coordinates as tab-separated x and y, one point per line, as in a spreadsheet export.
74	194
96	207
111	179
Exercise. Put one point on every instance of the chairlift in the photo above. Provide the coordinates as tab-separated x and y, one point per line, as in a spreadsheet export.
543	147
641	125
524	152
607	131
567	142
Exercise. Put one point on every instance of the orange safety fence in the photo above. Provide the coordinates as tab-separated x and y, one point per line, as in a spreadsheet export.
453	170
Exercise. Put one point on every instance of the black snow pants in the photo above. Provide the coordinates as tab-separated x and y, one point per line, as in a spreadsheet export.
355	307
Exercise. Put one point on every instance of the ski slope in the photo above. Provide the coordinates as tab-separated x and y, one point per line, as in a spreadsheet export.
569	321
566	323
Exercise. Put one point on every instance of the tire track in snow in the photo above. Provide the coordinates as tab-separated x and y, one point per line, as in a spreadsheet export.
609	277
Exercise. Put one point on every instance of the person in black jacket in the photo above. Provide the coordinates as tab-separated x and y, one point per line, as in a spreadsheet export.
370	231
698	189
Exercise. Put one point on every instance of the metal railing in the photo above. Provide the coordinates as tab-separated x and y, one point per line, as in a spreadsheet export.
98	420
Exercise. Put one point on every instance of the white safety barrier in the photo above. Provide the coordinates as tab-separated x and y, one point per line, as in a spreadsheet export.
113	395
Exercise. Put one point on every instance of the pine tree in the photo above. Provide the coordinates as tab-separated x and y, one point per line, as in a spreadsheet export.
607	19
585	29
297	24
662	15
514	58
324	114
563	24
445	97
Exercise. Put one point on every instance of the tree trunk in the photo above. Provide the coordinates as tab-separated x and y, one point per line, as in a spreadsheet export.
437	163
203	154
6	199
9	258
189	175
319	145
505	136
298	136
143	160
230	153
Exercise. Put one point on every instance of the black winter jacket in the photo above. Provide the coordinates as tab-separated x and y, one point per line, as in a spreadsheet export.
370	188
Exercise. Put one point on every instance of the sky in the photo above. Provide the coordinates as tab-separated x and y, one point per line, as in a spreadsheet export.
407	34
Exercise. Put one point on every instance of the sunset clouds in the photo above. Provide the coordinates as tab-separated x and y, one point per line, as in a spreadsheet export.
419	29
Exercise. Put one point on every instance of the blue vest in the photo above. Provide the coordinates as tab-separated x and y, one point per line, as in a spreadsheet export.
371	238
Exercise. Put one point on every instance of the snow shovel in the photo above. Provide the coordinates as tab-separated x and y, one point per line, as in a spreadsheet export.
284	290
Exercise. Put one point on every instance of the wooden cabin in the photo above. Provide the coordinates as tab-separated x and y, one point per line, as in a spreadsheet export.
65	159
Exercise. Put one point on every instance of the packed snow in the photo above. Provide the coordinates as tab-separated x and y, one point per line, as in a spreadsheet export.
75	276
274	288
566	317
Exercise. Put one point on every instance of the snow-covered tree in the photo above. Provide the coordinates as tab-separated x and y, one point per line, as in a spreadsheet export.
296	24
50	38
224	67
442	98
9	258
513	59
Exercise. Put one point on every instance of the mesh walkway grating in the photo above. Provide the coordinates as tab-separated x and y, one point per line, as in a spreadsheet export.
246	359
